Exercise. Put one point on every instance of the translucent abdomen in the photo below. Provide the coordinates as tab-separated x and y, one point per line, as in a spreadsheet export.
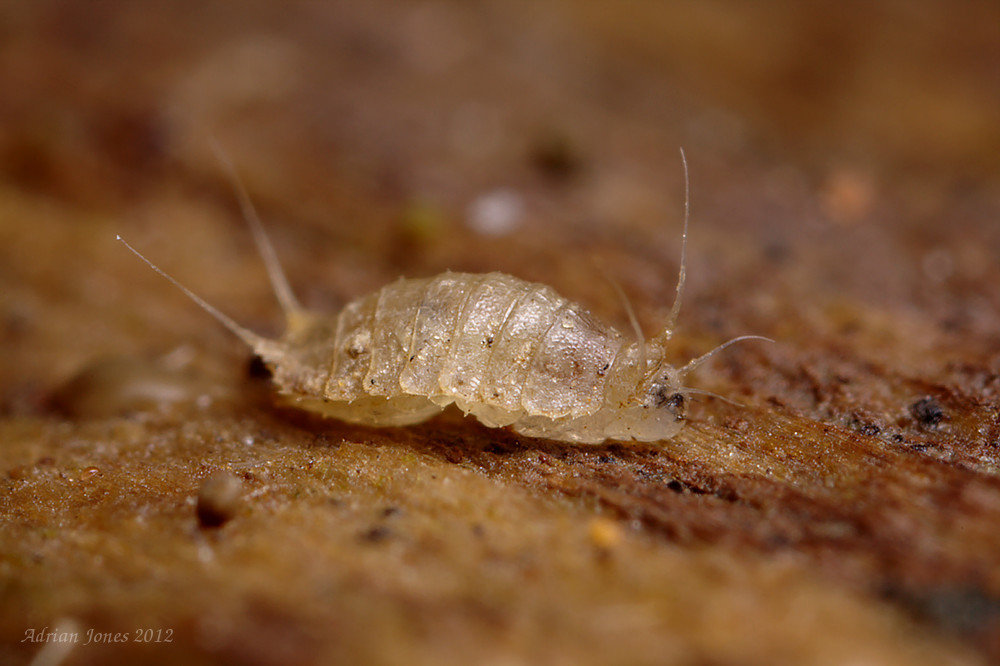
501	348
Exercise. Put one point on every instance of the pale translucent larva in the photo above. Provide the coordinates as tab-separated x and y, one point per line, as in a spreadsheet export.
509	352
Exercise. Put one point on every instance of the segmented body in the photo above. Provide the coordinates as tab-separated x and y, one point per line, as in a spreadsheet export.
507	351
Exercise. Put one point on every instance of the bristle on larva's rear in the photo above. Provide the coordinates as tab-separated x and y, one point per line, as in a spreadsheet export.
509	352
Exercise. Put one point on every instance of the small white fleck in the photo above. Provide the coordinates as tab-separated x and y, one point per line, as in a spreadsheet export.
205	553
496	213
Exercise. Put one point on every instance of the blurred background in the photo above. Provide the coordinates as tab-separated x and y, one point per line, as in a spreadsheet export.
845	196
853	147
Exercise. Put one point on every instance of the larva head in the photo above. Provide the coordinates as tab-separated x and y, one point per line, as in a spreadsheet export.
644	399
656	409
646	379
665	391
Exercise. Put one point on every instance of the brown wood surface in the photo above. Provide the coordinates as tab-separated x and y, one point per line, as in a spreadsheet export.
846	203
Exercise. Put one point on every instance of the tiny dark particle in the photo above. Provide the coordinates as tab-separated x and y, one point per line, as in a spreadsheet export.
727	495
555	155
390	511
672	401
869	429
376	534
927	411
257	369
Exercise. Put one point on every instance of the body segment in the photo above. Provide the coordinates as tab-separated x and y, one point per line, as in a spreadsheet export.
507	351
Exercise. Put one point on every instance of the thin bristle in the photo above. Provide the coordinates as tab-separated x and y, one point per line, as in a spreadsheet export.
692	365
693	391
279	282
682	273
632	319
249	337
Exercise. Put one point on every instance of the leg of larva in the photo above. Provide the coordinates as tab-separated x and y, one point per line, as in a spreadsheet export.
567	430
372	410
491	417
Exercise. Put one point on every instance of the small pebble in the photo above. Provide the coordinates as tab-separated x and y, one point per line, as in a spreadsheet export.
604	533
927	411
219	499
90	472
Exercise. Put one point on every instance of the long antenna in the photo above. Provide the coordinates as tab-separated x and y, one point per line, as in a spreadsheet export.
261	345
694	391
282	290
682	274
693	364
